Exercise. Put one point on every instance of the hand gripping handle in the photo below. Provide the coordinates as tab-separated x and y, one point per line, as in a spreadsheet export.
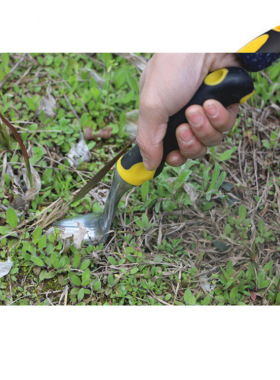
228	85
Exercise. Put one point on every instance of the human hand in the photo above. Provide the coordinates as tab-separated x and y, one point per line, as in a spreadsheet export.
168	83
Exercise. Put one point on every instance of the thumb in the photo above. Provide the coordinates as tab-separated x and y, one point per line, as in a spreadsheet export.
150	141
152	124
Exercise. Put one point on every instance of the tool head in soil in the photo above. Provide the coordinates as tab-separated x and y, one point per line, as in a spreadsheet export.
98	225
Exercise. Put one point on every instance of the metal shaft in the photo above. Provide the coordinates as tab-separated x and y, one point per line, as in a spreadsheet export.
118	189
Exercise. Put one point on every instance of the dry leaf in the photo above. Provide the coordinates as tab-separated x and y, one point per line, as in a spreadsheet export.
22	197
206	285
19	203
15	178
192	193
253	296
31	192
78	153
5	267
131	123
138	61
104	133
77	235
100	81
47	104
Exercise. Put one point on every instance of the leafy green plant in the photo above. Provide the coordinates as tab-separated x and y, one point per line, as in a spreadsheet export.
201	234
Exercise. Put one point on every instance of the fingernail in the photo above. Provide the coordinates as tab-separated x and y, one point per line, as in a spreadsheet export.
146	162
195	118
186	136
211	110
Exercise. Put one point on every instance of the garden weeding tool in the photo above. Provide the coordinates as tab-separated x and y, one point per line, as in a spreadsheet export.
268	42
228	85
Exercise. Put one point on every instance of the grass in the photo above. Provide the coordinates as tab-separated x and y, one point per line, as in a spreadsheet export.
203	234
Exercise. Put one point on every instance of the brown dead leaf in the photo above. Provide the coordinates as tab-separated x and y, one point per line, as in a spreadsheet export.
104	133
253	296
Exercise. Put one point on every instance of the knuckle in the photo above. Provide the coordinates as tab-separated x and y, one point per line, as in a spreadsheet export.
233	110
149	103
225	127
211	136
195	153
143	144
214	141
227	119
202	152
191	150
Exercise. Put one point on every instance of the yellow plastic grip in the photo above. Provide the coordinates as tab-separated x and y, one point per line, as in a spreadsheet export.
255	45
216	77
136	175
260	42
246	97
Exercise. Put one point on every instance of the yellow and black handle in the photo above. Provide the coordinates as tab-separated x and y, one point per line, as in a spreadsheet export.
268	42
228	85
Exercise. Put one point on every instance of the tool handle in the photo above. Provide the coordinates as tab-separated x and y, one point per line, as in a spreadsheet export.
268	42
228	85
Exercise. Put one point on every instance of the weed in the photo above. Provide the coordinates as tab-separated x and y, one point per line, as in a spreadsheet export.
206	233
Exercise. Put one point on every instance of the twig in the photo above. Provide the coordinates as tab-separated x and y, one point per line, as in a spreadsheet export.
23	76
4	169
48	297
178	284
159	299
34	295
12	70
72	109
10	286
255	163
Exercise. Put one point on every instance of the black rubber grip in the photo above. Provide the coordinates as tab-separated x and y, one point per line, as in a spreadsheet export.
272	45
228	86
268	42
